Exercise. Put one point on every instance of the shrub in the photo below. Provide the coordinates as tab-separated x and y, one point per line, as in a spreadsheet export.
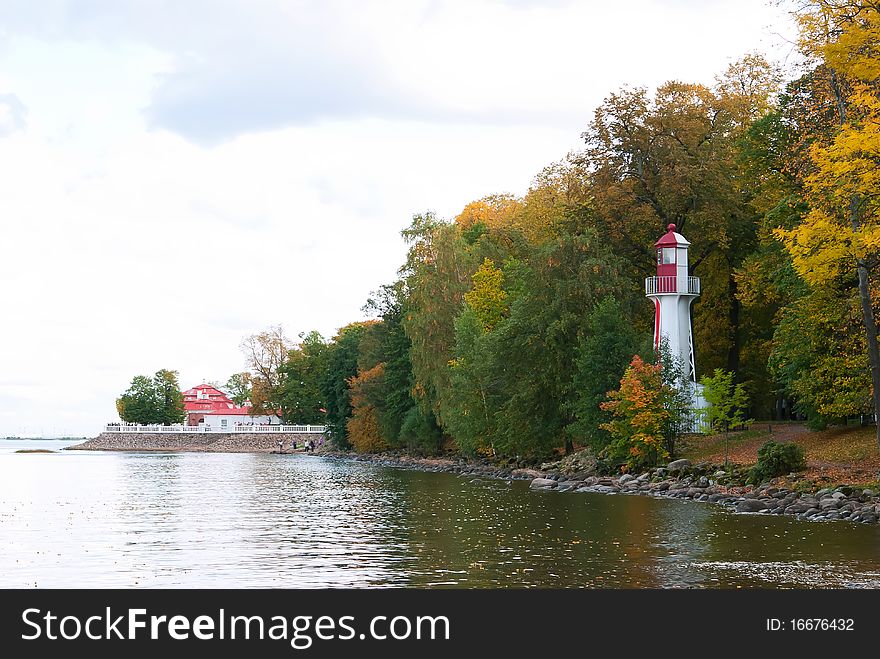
777	459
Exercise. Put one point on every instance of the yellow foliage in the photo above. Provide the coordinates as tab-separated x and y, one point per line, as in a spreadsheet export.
842	226
493	212
487	298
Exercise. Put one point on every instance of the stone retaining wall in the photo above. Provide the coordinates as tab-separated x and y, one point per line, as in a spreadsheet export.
238	442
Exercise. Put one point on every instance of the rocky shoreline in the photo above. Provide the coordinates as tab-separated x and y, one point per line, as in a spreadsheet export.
678	480
195	442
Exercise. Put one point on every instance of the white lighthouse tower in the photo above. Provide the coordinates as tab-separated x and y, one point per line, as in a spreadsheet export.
673	291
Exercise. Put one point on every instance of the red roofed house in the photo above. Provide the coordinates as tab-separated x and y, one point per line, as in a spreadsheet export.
208	405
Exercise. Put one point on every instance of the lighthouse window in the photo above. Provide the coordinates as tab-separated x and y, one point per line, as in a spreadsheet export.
666	255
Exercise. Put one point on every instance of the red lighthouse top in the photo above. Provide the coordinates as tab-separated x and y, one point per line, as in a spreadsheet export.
668	257
671	238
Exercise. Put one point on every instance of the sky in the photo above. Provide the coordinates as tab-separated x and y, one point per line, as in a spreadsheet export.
176	175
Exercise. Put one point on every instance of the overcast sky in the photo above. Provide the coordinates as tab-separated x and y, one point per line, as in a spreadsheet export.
179	174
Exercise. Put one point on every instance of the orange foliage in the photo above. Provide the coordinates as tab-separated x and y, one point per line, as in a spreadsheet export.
363	426
639	412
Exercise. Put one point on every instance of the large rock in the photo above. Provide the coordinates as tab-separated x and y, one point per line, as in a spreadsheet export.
751	506
543	484
678	465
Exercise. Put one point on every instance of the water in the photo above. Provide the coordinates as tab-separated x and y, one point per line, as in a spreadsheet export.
215	520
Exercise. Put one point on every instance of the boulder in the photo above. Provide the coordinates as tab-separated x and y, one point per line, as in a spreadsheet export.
626	478
543	484
751	506
678	465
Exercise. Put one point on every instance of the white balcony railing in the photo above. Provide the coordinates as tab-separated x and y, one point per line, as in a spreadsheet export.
672	284
135	428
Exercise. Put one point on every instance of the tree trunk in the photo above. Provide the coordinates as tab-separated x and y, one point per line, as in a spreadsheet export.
871	332
861	266
733	319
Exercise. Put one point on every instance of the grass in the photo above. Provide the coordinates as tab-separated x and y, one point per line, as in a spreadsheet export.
840	455
34	450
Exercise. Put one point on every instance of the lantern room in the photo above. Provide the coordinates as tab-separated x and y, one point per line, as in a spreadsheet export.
672	253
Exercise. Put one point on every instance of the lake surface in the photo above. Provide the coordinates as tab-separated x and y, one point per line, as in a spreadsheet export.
84	519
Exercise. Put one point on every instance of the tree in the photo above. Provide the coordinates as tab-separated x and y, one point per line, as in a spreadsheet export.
155	400
603	355
638	409
341	365
300	393
139	403
169	397
728	403
239	387
487	298
265	354
842	230
405	416
437	274
363	428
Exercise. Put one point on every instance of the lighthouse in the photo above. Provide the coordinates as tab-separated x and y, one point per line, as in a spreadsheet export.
673	291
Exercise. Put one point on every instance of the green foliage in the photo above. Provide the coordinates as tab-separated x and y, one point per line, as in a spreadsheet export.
238	386
341	365
301	395
777	459
602	355
678	398
156	400
419	430
728	402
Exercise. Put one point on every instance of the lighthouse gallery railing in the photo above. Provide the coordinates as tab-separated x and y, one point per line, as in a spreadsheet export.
671	284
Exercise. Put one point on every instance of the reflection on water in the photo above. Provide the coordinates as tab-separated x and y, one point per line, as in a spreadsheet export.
236	520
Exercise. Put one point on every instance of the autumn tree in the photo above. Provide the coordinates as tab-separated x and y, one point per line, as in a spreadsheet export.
639	410
340	366
841	231
487	298
363	428
265	353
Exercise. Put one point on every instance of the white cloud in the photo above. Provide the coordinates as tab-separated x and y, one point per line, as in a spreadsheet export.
193	172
